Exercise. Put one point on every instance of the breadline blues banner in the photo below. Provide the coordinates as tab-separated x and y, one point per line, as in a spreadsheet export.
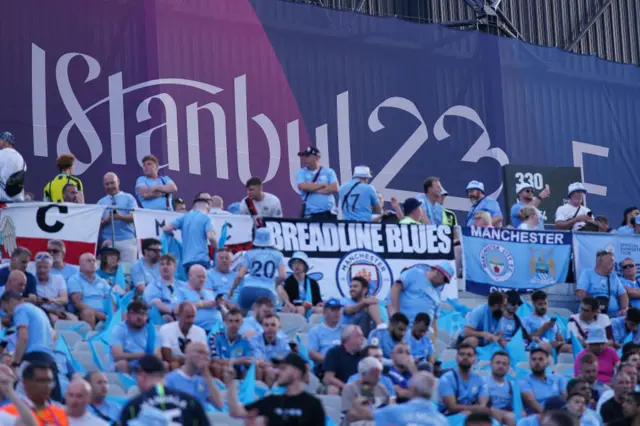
339	251
586	245
506	259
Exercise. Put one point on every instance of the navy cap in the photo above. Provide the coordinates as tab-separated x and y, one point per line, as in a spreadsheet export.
410	204
555	403
7	136
312	150
333	303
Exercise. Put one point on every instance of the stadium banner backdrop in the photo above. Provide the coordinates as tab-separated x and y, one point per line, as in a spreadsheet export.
339	251
505	259
295	75
32	225
239	231
587	244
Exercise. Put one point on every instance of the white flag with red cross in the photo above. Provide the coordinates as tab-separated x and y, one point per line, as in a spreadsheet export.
32	225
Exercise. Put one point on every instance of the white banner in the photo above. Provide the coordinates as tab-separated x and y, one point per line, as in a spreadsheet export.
339	251
32	225
149	224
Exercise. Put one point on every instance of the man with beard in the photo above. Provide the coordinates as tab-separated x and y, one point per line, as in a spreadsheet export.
483	322
589	372
146	270
295	407
131	339
526	197
388	338
500	390
402	369
631	411
420	343
541	329
461	389
612	409
268	346
252	324
539	386
623	326
482	203
510	322
194	377
361	308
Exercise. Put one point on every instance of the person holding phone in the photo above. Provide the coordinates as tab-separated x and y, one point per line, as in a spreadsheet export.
543	331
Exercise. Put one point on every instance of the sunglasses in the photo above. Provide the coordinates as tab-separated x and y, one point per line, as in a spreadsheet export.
54	251
627	266
528	190
155	250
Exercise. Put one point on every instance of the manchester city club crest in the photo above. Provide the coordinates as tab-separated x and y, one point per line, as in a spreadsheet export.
542	268
497	262
366	264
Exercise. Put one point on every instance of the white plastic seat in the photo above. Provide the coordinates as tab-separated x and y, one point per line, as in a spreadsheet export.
71	337
315	319
224	419
289	321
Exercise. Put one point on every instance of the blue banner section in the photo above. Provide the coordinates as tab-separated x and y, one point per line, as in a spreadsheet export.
505	259
586	245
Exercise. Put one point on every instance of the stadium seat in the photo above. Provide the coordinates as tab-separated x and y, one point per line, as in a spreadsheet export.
86	360
441	345
332	407
117	391
448	355
565	359
563	368
563	312
82	346
444	336
304	339
289	322
224	419
313	385
80	327
71	337
315	319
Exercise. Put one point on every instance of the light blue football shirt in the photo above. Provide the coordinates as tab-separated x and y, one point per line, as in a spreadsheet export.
123	202
500	394
486	204
206	318
194	386
263	265
141	273
553	385
317	203
160	290
265	351
434	211
158	203
38	327
322	338
360	201
597	285
195	244
418	295
93	293
416	412
218	282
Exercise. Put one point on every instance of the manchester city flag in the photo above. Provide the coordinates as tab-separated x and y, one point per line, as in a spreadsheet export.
505	259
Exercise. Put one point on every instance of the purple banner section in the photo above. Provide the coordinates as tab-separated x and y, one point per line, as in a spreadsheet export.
228	89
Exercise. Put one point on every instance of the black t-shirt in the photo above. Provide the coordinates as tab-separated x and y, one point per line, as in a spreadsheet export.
178	407
283	410
623	422
31	281
611	411
341	362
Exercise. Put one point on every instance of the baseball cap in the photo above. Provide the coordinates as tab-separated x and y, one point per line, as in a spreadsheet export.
104	251
513	298
410	204
474	184
293	360
8	136
333	303
576	186
555	403
445	269
311	150
150	365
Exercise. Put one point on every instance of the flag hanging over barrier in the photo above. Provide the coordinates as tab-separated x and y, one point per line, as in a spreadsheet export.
341	250
32	225
586	245
504	259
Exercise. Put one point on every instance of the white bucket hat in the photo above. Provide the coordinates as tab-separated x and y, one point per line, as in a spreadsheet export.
362	172
576	186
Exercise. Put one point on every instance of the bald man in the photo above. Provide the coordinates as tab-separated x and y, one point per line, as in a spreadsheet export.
99	406
78	397
195	377
174	335
217	205
116	228
208	314
17	282
88	291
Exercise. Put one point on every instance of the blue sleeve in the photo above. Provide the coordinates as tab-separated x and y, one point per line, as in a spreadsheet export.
141	181
494	208
619	288
248	350
406	279
246	260
373	196
74	286
170	382
484	389
149	294
208	225
137	275
526	323
583	281
331	176
475	319
446	388
281	259
313	340
21	317
118	337
178	222
131	202
515	209
430	349
258	352
525	386
300	179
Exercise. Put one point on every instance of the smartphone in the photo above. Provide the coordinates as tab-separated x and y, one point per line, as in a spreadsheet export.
554	319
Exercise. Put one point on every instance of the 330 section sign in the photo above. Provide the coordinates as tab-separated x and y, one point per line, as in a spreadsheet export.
558	179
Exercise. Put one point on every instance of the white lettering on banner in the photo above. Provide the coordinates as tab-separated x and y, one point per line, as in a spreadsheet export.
581	148
172	114
509	235
344	237
149	223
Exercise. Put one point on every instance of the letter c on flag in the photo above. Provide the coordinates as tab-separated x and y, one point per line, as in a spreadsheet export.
41	218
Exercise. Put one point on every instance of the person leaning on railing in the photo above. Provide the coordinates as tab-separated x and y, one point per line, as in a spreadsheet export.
54	190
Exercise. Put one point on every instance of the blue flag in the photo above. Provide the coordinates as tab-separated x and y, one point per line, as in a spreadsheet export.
459	307
508	258
304	352
172	246
516	349
155	317
151	339
576	346
486	352
126	381
524	310
516	399
247	392
63	347
451	322
222	241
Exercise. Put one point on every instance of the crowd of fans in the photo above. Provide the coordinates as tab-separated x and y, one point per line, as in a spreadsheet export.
382	360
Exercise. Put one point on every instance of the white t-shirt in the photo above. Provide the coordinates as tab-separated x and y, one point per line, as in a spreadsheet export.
87	420
170	333
579	328
52	290
11	162
269	206
567	211
7	419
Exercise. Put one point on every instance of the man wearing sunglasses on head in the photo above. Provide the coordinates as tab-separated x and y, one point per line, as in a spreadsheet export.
526	197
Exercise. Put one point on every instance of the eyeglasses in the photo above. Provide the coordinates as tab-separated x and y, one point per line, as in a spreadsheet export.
528	190
155	250
628	265
54	251
43	256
